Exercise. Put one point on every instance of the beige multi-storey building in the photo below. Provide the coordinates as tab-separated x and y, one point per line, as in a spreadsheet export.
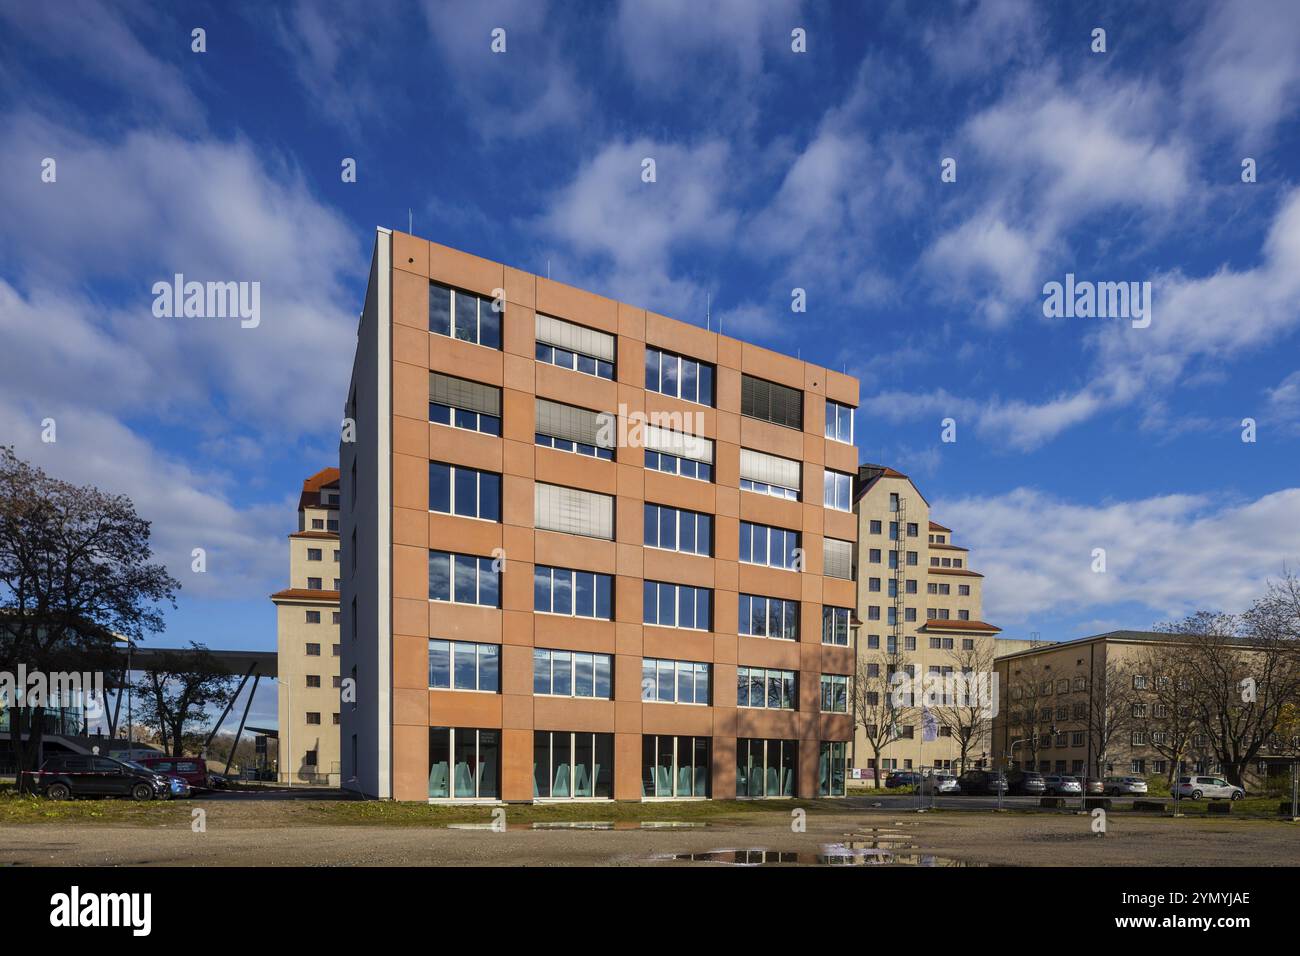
591	552
307	629
919	608
1122	703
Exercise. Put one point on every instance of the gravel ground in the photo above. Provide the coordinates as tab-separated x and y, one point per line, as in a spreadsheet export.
244	834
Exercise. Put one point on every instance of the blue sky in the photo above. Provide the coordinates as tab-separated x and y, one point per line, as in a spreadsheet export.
775	170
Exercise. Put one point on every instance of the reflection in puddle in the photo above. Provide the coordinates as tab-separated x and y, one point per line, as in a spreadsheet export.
830	854
585	825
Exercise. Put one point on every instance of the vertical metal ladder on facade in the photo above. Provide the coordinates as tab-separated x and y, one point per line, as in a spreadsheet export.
900	571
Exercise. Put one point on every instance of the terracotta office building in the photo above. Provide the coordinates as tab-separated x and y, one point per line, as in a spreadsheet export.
589	552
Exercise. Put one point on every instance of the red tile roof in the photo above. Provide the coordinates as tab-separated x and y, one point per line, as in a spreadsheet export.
325	478
937	625
949	547
962	572
306	594
935	526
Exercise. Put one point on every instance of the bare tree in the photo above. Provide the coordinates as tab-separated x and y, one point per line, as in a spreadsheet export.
177	690
1169	704
75	574
966	710
1247	673
1023	716
877	709
1113	699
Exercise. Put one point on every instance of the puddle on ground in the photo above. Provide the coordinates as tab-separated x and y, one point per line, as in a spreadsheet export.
852	853
586	825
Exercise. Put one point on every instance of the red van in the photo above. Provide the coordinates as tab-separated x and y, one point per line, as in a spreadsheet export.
190	769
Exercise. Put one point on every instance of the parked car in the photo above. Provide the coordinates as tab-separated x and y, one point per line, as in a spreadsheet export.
1059	785
944	783
190	769
902	778
1027	783
1215	788
86	775
982	782
1094	786
1125	786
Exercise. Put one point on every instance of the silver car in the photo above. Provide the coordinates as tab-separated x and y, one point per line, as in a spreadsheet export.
1125	786
1059	785
945	783
1215	788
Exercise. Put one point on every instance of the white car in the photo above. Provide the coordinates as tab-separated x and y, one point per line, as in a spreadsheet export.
1215	788
1059	785
1121	786
944	783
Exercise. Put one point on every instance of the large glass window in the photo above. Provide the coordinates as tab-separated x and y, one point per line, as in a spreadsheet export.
768	617
680	377
461	403
774	547
765	687
464	763
674	766
773	475
568	765
835	625
464	315
461	665
832	768
838	490
571	592
575	347
678	465
578	430
674	682
572	674
839	422
677	605
766	768
467	492
463	579
835	694
674	529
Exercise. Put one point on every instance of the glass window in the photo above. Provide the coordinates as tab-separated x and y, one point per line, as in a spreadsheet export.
575	593
764	687
678	376
465	492
839	422
571	674
460	665
677	605
835	694
463	579
674	682
768	617
573	765
464	763
835	625
832	768
674	529
839	490
464	315
674	766
773	547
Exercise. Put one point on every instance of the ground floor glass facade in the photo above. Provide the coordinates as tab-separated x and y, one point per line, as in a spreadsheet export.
766	768
673	766
570	765
464	763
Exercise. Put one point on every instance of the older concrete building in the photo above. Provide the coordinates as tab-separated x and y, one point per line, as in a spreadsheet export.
919	604
585	553
307	629
1115	703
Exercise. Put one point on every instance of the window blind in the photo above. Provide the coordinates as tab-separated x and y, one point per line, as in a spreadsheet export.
576	424
571	511
694	447
464	394
771	402
770	469
837	558
575	338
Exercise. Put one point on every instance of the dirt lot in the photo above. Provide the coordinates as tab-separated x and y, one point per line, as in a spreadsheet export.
297	833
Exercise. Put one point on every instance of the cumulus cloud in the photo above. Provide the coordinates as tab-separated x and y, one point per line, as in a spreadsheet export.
1169	554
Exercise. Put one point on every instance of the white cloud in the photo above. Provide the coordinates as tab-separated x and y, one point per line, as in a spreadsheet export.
1171	554
99	39
671	43
625	232
1243	64
984	36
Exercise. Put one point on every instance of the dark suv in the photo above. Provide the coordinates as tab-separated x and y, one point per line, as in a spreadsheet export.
85	775
1029	783
983	782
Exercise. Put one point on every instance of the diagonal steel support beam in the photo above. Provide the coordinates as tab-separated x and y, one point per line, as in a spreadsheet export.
233	697
240	732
